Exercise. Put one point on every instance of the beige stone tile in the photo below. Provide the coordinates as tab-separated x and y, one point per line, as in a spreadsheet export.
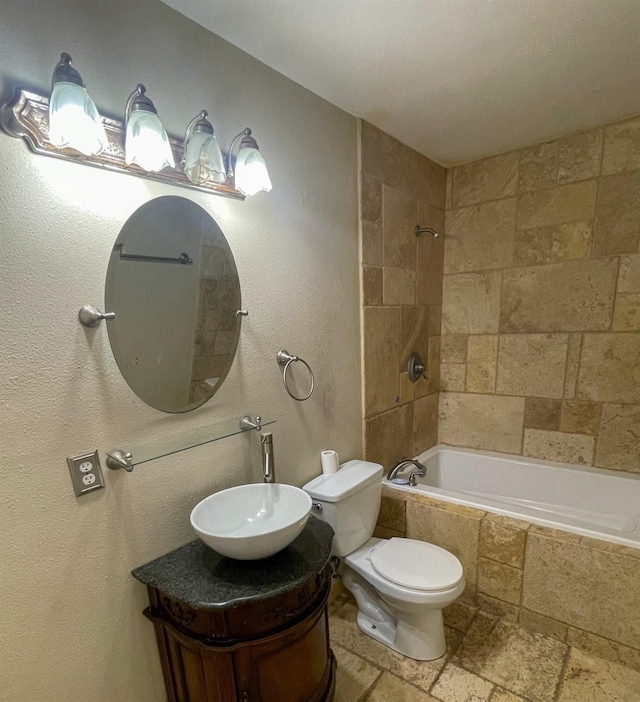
626	313
532	364
453	348
618	446
421	674
392	689
448	198
524	662
382	347
490	179
452	377
500	695
559	446
499	580
622	147
399	217
580	156
617	226
585	587
398	286
543	625
456	532
354	676
433	365
568	537
407	389
488	422
498	608
370	199
592	679
392	512
455	684
482	353
538	166
629	276
580	417
371	286
414	333
599	646
575	202
389	436
480	237
471	303
609	368
573	362
381	532
459	616
425	423
338	596
371	243
464	511
572	296
435	319
503	539
562	242
542	413
430	254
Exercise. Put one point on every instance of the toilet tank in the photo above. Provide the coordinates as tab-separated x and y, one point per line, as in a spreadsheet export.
349	502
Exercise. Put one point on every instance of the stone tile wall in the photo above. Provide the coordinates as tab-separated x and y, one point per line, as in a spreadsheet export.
540	345
578	590
401	287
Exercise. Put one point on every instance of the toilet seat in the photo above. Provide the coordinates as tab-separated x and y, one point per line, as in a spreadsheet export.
416	565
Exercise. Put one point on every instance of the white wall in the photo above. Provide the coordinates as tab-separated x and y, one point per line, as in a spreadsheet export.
72	627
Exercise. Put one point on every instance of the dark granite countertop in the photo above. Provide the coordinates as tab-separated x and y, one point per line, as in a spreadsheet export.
204	579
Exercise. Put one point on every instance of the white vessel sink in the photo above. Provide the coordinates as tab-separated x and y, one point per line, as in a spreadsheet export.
250	522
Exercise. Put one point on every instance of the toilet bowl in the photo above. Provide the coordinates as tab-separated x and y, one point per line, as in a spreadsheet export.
407	619
400	585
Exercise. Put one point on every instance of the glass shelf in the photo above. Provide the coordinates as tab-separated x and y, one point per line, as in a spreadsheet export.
134	456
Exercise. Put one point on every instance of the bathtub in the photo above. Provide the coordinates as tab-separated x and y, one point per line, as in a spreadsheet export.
592	502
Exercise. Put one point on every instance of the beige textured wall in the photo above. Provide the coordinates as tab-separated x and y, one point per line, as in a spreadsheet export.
540	348
72	625
401	294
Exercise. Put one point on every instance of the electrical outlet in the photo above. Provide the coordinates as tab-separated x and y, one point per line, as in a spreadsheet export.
86	474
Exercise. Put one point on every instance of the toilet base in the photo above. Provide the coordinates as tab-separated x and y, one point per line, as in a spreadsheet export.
417	633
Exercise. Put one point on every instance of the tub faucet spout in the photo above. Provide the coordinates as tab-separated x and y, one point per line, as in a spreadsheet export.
419	472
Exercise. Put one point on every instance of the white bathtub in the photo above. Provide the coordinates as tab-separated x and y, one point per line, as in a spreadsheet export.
602	504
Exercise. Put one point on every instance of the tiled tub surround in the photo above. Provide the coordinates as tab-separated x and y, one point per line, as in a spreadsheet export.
573	588
540	345
401	288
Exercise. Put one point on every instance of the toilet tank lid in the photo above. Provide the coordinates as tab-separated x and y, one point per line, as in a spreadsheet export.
352	477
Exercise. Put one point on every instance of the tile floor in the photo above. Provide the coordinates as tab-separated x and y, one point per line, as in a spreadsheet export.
487	660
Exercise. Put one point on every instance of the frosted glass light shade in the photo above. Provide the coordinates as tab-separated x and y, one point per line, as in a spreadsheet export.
74	121
251	171
203	159
146	143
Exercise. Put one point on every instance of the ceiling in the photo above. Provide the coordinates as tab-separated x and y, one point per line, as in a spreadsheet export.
455	79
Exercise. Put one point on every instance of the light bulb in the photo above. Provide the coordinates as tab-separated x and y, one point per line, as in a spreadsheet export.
74	121
251	172
147	143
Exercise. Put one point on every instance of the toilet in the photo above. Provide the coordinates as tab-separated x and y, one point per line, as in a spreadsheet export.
400	585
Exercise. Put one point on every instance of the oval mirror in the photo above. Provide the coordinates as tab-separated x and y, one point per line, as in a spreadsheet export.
173	286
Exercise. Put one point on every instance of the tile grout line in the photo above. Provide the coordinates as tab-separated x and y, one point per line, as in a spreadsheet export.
563	671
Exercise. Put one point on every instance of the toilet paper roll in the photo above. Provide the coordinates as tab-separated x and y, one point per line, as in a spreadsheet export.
330	462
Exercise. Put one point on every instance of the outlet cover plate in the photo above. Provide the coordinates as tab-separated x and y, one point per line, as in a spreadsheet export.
86	473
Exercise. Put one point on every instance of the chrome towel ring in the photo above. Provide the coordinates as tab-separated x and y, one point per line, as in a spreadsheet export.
285	359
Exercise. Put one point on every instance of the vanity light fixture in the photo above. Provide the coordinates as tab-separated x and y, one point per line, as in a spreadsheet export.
251	174
146	142
202	156
74	121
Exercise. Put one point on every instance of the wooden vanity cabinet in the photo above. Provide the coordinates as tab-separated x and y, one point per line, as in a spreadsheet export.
271	650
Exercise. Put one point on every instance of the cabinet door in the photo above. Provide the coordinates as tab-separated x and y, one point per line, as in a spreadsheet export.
294	666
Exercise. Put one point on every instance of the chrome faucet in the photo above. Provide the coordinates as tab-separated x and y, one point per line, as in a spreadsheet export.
268	467
419	472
